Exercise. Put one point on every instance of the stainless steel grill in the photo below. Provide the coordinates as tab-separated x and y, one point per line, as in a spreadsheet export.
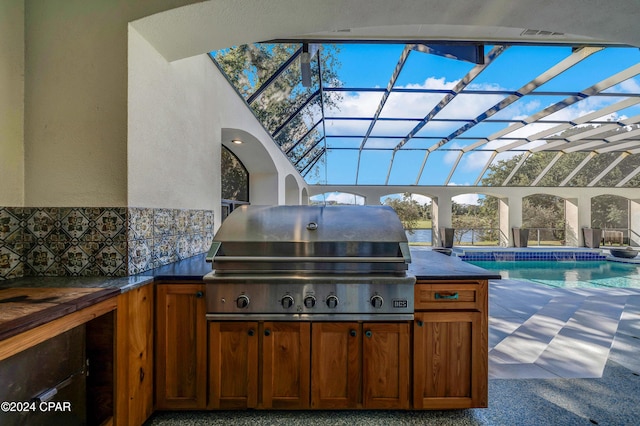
310	262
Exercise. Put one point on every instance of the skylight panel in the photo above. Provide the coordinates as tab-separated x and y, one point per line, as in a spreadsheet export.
392	128
405	168
437	167
410	104
425	71
375	171
518	65
344	142
365	65
485	129
469	167
341	166
504	163
526	106
592	70
354	104
346	127
468	107
440	128
586	106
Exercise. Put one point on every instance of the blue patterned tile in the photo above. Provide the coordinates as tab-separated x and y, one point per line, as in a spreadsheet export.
163	222
140	255
182	218
140	223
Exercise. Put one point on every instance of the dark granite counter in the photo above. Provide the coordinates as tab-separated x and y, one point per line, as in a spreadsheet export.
431	265
426	265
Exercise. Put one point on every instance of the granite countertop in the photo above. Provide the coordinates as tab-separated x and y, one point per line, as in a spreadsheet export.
31	301
431	265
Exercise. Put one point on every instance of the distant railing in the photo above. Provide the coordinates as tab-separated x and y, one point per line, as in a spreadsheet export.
476	236
615	236
547	236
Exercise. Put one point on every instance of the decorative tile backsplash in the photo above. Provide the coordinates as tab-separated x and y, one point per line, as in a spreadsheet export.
106	241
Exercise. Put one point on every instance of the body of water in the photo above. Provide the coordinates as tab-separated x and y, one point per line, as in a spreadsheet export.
568	274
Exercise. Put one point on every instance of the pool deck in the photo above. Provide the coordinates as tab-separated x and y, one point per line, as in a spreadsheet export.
557	357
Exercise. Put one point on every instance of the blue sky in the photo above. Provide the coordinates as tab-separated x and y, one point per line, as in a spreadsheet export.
371	66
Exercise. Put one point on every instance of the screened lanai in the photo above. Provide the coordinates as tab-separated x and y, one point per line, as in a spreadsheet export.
442	119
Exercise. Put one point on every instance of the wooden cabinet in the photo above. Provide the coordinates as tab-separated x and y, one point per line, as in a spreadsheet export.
181	346
450	339
233	365
360	365
134	357
336	365
385	365
286	364
259	365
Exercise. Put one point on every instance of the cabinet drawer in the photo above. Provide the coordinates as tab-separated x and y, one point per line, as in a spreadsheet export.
450	295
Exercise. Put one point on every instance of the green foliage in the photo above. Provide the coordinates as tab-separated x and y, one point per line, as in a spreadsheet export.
235	179
249	67
409	211
482	218
545	211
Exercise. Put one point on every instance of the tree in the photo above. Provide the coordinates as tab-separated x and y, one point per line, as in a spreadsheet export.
234	176
408	210
249	67
544	211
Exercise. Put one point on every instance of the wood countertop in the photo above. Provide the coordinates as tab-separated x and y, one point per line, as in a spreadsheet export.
24	308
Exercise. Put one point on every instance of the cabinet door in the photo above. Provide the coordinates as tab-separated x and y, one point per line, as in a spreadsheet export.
450	361
286	350
336	361
233	365
181	364
134	356
385	365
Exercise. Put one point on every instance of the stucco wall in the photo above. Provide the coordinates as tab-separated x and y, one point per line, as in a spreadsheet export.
11	102
174	130
75	131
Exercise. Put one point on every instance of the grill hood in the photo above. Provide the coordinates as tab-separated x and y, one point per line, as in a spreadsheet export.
310	239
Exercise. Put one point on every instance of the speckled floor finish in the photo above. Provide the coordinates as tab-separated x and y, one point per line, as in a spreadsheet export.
556	357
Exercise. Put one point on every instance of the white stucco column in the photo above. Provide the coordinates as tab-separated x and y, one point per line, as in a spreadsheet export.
584	217
510	215
372	200
572	222
440	217
634	223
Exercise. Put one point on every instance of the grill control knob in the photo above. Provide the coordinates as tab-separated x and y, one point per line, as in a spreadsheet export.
332	301
377	301
287	301
309	301
242	301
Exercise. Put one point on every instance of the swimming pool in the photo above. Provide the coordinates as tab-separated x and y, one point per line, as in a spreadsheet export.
568	274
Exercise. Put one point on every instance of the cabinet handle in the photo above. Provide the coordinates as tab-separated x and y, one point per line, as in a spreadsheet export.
141	374
353	333
199	294
251	332
368	333
453	296
420	323
267	332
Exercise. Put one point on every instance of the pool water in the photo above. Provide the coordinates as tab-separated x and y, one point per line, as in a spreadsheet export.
568	274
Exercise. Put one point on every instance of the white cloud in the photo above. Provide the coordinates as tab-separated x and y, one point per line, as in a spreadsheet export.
421	199
338	197
468	199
